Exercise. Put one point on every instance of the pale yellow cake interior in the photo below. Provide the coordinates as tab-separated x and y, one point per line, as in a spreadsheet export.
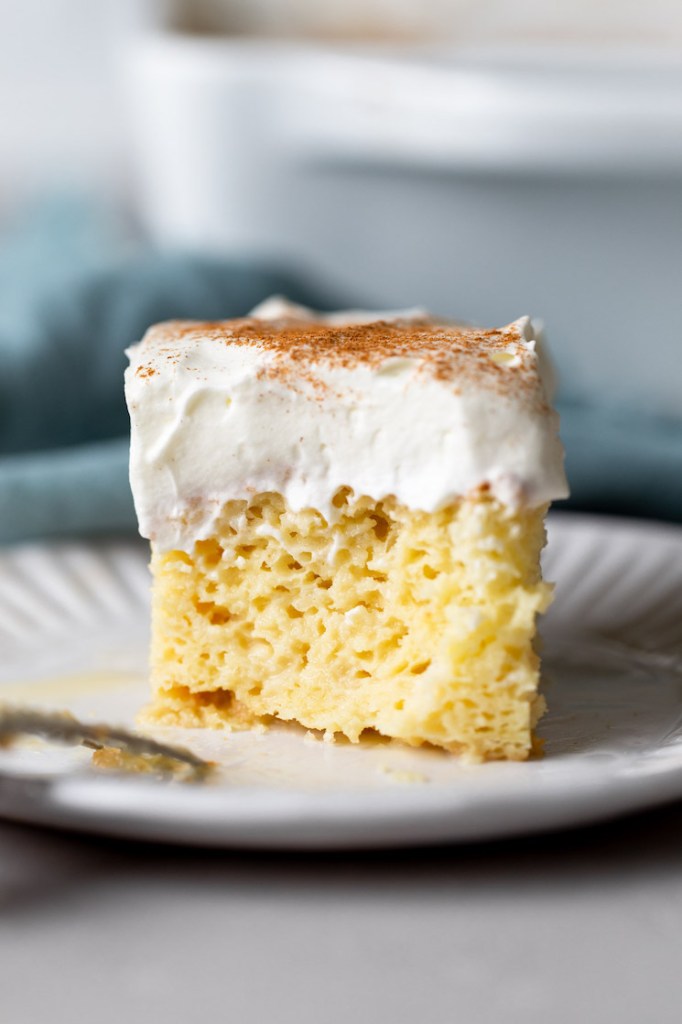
416	625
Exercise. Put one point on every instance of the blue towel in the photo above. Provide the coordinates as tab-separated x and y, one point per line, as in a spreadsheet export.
75	292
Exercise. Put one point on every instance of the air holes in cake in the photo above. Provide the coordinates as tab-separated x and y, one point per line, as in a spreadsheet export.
323	584
341	497
381	526
215	613
209	550
294	613
255	691
244	550
182	556
420	668
429	572
399	705
294	565
303	651
362	674
364	655
260	603
219	617
415	555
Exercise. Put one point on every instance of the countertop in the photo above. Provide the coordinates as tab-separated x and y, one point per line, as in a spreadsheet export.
577	926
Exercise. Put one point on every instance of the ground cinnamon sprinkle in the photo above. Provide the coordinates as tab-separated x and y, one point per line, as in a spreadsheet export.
447	352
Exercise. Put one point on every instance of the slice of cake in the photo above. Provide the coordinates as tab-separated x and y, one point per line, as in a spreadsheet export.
346	516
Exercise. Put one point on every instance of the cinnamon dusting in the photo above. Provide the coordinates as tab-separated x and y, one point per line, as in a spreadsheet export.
446	352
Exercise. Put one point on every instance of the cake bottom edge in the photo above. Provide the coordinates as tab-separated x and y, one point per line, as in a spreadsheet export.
221	711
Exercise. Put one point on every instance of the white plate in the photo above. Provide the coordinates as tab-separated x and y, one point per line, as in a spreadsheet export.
73	634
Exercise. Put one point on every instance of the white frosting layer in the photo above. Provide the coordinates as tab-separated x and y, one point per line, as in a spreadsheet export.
212	422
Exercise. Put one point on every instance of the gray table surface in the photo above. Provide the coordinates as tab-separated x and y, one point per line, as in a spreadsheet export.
578	926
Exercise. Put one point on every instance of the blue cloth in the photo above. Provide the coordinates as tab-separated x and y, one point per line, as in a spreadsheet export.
75	291
622	461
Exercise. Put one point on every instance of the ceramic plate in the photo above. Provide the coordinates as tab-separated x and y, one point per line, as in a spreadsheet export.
73	635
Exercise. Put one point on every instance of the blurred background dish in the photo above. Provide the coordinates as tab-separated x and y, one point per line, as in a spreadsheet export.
478	184
483	159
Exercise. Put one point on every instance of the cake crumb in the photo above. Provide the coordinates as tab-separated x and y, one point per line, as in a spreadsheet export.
118	760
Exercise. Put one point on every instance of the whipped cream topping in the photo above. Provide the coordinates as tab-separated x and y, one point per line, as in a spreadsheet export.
301	403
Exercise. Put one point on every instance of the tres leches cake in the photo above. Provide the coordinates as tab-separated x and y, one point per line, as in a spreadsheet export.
346	515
